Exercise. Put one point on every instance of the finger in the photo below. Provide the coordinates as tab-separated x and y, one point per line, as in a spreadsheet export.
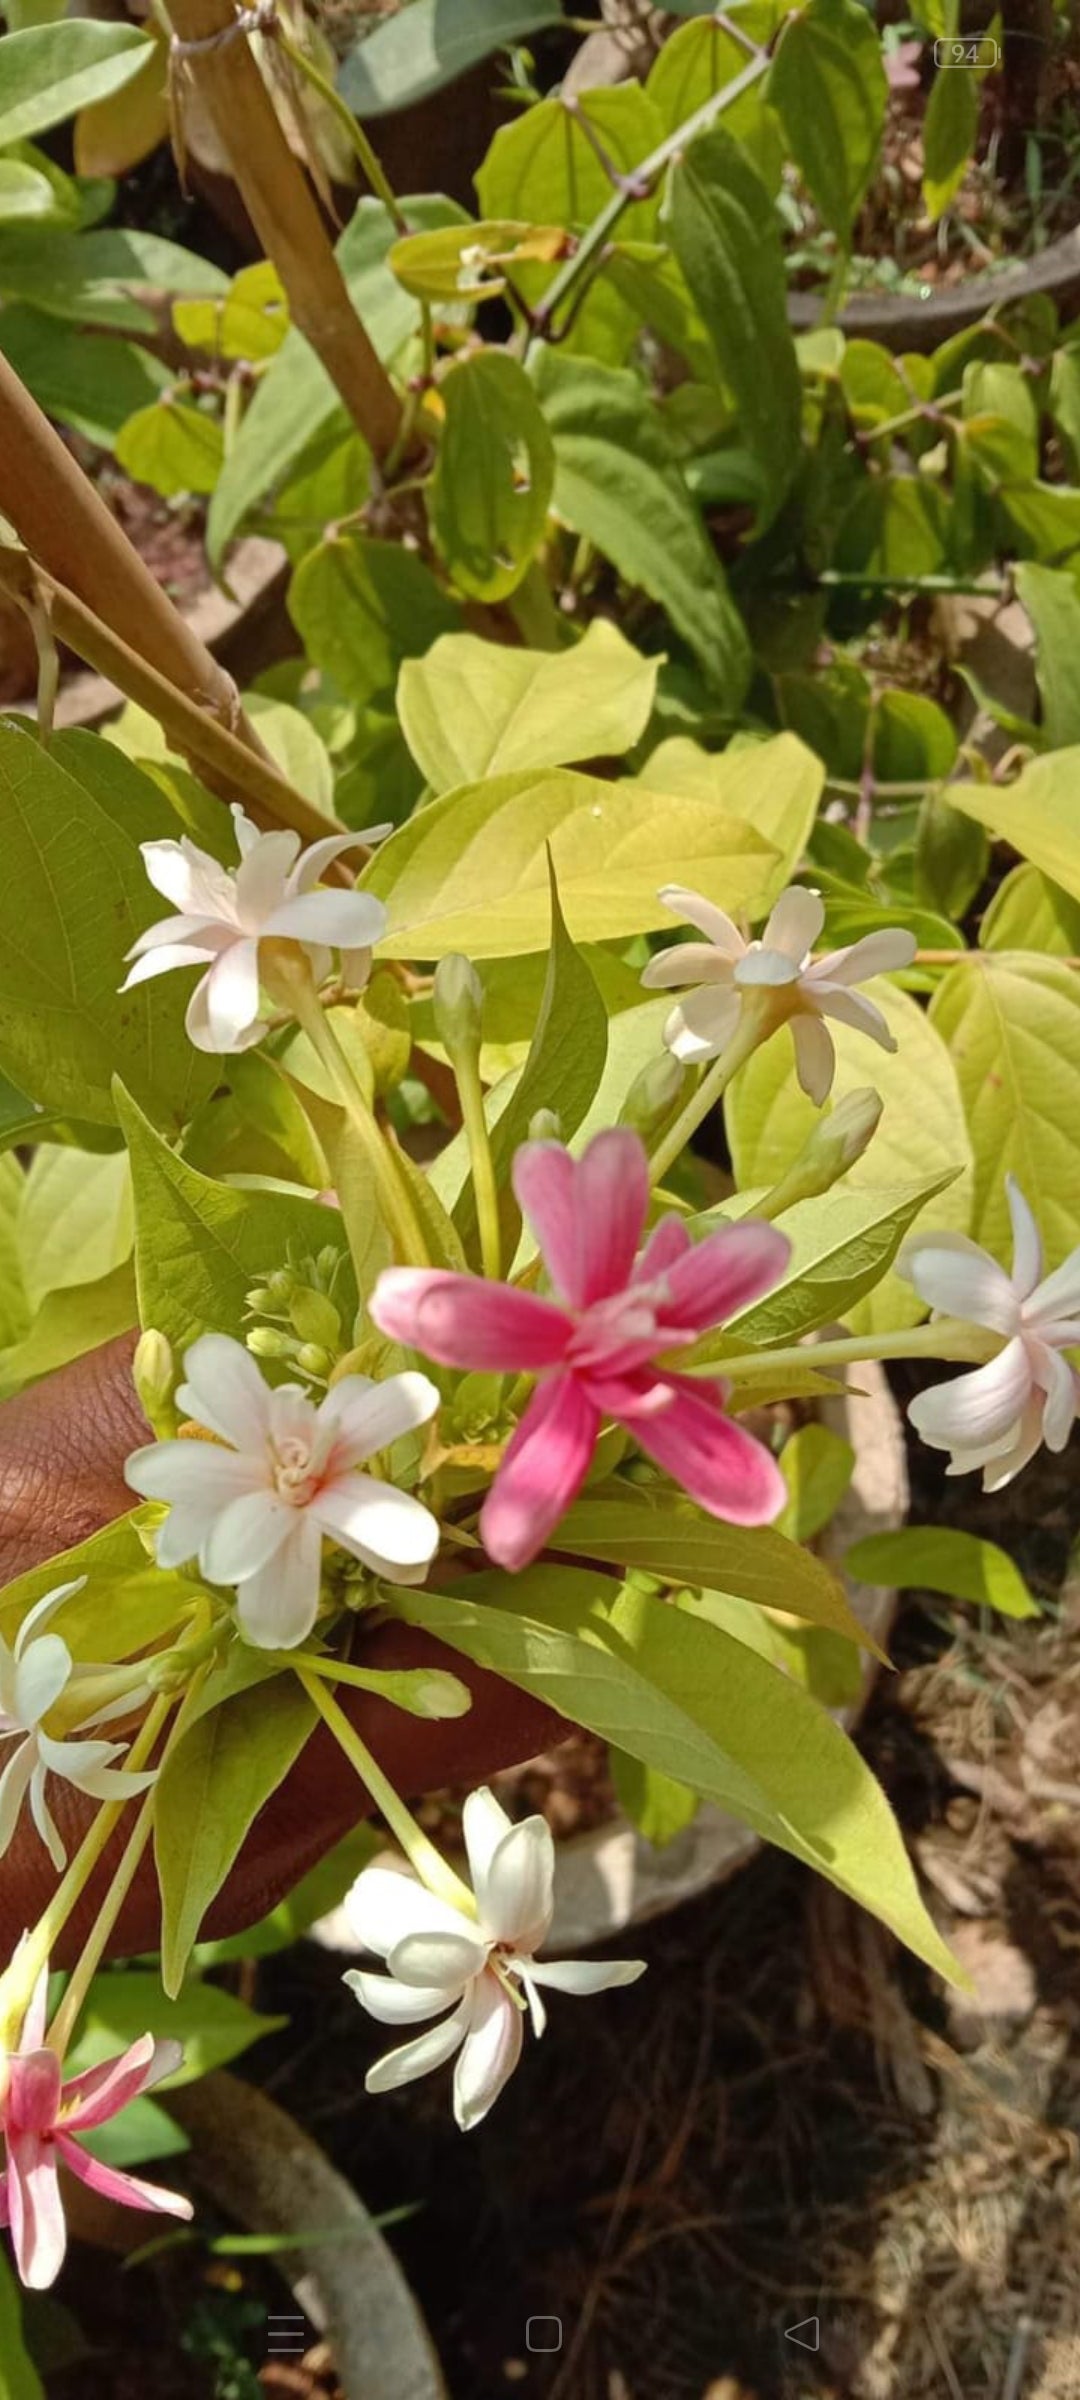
62	1448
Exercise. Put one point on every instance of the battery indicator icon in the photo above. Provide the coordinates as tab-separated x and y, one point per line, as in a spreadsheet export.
981	51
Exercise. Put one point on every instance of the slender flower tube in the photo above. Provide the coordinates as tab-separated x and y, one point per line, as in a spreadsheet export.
595	1345
41	2119
226	912
34	1674
997	1417
724	970
478	1966
253	1505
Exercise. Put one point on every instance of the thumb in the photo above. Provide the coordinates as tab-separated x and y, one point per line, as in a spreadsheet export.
62	1451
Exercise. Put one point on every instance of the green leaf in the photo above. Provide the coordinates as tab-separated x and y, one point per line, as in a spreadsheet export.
25	192
172	447
698	60
91	276
410	55
467	262
19	2378
212	2027
817	1466
726	234
1012	1023
313	1897
141	2131
15	1304
617	483
827	85
921	1134
88	381
49	71
701	1707
665	1534
547	166
1065	407
488	498
296	746
68	1323
470	871
1036	815
938	1558
73	897
75	1222
208	1795
783	808
951	857
471	708
841	1246
199	1246
894	530
949	130
1052	602
659	1807
361	607
127	1602
1029	912
250	322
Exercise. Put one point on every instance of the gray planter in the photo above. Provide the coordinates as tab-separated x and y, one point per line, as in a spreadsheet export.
901	323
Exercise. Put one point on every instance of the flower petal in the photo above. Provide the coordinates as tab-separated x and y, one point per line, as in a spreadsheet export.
370	1416
38	1616
542	1471
101	2092
278	1607
815	1058
194	882
668	1242
341	920
40	1676
201	1033
32	2096
795	923
111	2184
874	954
703	1023
260	877
584	1976
687	963
310	869
1057	1379
14	1784
484	1822
721	1465
224	1390
709	920
161	961
43	1816
1057	1296
393	2003
386	1904
850	1008
764	966
231	992
489	2053
973	1410
35	2210
389	1530
461	1321
430	2050
954	1275
588	1214
444	1962
724	1274
516	1897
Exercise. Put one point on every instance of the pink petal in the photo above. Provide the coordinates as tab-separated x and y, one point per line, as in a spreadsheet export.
101	2092
464	1322
667	1243
721	1466
33	2093
724	1274
35	2210
542	1471
588	1214
129	2190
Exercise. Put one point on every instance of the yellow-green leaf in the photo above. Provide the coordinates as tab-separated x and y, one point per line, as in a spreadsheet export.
471	708
1012	1023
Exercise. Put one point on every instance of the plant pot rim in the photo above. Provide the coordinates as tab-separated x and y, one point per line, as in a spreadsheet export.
610	1878
216	615
904	323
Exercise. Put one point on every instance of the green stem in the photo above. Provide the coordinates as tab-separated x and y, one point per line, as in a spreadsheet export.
294	981
751	1030
354	133
428	1862
948	1338
471	1095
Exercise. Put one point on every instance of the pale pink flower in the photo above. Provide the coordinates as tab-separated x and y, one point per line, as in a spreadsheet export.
725	970
441	1957
226	912
254	1514
35	1674
41	2119
996	1417
595	1345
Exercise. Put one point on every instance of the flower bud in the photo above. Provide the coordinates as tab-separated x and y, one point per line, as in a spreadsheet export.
653	1094
279	1286
260	1300
458	1002
314	1361
314	1318
545	1126
264	1341
833	1146
153	1372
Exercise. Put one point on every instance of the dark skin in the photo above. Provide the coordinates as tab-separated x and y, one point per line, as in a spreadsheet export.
62	1451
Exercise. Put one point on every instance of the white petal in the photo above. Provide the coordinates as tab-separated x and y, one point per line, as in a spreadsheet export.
1009	1458
484	1823
1057	1296
393	2003
91	1768
201	1032
517	1899
14	1779
248	835
875	954
537	2011
584	1976
444	1962
388	1903
260	878
815	1058
1055	1377
795	923
489	2053
954	1275
232	993
38	1616
387	1530
977	1409
162	962
342	920
40	1677
709	920
278	1607
702	1025
430	2050
224	1390
766	966
44	1819
310	869
355	969
246	1536
687	963
190	878
370	1416
850	1008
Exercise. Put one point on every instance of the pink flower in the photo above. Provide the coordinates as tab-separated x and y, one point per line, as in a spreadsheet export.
594	1346
40	2118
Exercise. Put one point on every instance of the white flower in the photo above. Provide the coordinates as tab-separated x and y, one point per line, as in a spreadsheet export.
724	967
254	1513
439	1957
226	913
996	1417
33	1676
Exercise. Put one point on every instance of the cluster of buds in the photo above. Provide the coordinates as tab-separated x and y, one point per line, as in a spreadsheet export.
299	1321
